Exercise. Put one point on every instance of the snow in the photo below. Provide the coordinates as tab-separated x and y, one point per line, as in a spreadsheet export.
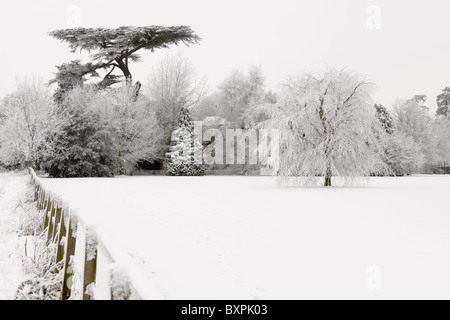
12	185
249	238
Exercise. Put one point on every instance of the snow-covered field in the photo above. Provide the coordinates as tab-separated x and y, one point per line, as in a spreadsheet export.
249	238
12	185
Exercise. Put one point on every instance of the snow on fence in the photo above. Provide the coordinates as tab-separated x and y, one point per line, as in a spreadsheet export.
93	270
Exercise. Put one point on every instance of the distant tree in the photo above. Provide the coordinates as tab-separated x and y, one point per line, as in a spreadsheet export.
443	102
112	49
208	106
412	119
172	85
185	154
239	92
82	146
385	118
328	127
403	154
135	133
27	114
271	97
421	99
441	132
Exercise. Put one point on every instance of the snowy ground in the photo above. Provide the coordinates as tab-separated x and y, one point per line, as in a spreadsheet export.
12	185
248	238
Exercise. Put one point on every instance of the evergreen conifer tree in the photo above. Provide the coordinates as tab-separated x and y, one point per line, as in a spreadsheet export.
184	156
82	146
385	118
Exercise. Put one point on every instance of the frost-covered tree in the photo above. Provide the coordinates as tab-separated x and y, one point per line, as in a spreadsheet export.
83	145
27	114
136	134
443	102
116	49
328	127
441	132
411	118
172	85
240	92
421	99
404	155
185	153
207	107
385	118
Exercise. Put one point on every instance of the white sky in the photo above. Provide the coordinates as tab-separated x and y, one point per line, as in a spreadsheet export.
409	55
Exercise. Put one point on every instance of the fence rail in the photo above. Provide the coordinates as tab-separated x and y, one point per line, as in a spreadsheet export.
93	270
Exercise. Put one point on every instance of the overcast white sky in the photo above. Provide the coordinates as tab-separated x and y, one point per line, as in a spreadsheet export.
409	55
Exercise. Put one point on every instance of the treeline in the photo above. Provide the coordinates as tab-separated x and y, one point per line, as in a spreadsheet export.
316	120
328	122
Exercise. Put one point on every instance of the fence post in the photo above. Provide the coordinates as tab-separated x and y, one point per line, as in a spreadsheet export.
46	219
70	251
41	197
43	201
36	192
62	233
57	225
50	223
90	267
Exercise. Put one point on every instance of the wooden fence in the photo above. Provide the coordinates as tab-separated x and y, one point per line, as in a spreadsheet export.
92	269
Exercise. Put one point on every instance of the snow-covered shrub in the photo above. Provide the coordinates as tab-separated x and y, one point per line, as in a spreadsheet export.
46	277
38	289
181	160
39	261
413	119
82	146
30	220
136	133
403	155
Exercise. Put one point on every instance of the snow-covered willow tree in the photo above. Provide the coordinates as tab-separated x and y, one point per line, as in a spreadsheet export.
26	116
328	128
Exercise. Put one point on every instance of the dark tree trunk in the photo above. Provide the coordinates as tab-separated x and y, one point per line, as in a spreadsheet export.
138	86
124	68
328	178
